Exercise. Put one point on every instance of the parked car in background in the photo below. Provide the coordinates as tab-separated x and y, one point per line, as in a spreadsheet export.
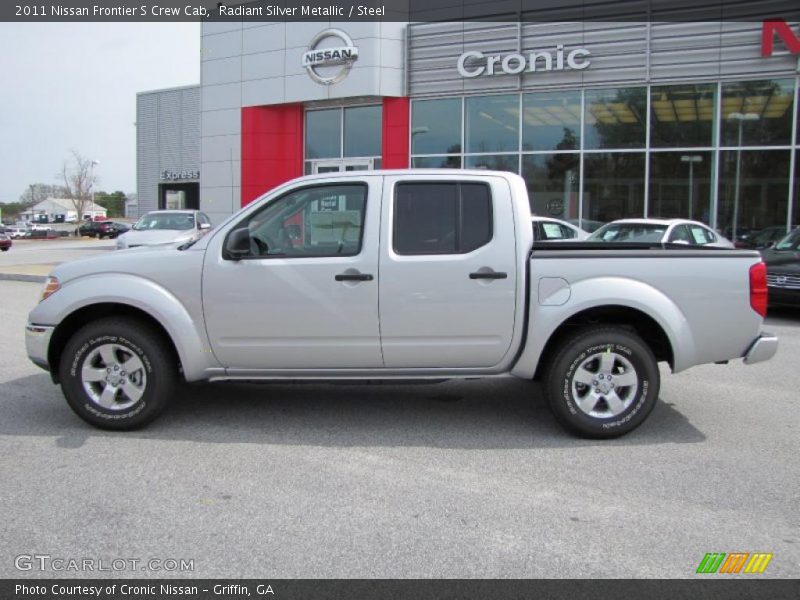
783	270
763	238
88	228
5	242
548	229
672	231
17	232
40	227
162	227
587	225
112	229
102	229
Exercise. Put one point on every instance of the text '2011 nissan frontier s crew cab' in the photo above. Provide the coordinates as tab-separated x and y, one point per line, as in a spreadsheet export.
412	274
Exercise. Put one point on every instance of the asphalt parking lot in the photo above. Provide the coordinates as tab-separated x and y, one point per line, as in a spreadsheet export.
459	479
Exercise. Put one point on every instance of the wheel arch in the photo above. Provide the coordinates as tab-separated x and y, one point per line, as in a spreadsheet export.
93	312
633	319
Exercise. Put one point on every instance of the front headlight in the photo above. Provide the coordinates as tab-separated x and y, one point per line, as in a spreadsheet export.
51	286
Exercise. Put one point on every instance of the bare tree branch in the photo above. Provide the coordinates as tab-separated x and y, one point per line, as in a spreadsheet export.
79	179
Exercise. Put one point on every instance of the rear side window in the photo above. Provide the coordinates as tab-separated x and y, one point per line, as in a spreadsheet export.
441	218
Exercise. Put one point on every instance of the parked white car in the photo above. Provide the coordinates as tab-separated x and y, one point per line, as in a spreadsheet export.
17	232
165	227
548	229
672	231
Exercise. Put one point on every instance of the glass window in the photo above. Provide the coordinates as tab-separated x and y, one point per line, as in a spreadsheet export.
362	130
552	181
494	162
323	220
794	221
551	121
757	113
441	218
613	187
615	118
680	185
436	162
701	236
436	126
549	230
753	192
492	123
682	115
680	235
324	133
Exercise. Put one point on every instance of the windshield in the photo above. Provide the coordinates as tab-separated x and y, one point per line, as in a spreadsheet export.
629	232
790	242
158	221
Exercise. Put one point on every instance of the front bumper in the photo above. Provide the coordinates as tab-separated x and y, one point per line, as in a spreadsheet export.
763	348
37	341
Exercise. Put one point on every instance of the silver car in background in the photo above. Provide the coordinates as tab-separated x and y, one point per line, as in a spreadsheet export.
548	229
164	227
672	231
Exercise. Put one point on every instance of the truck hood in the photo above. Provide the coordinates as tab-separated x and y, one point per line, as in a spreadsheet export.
142	261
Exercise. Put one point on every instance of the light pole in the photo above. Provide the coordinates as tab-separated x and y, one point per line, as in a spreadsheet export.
741	118
91	179
691	159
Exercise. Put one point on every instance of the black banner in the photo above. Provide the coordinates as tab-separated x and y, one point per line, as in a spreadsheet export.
398	589
397	10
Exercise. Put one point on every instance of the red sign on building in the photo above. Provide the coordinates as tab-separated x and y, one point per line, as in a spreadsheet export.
779	27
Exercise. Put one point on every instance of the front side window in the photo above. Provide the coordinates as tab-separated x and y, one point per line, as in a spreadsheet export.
441	218
318	221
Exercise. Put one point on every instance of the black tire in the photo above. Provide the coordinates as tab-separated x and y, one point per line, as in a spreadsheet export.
600	408
151	382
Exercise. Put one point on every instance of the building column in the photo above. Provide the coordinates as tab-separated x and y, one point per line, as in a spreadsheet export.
272	147
395	145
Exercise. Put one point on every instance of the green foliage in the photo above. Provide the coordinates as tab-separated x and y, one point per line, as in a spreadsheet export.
114	203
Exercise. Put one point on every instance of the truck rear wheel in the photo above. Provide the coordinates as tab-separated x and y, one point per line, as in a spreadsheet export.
602	382
117	373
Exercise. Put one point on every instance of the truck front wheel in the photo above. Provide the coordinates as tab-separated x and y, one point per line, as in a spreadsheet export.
602	382
117	373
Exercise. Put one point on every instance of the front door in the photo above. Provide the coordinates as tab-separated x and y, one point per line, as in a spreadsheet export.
306	297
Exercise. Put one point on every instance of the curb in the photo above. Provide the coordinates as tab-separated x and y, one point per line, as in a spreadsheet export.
22	277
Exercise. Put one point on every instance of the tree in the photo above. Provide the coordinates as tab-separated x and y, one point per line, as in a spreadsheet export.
79	179
37	192
113	203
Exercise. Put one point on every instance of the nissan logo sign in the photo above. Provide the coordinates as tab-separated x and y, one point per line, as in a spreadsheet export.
321	61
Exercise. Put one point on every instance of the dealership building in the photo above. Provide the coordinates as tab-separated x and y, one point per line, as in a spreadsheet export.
603	120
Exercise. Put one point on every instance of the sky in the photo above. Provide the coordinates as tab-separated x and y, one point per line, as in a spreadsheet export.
73	86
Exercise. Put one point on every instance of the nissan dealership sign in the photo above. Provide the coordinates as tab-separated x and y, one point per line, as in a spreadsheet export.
475	64
330	56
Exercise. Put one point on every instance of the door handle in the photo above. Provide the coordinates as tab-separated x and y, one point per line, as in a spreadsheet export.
488	275
353	277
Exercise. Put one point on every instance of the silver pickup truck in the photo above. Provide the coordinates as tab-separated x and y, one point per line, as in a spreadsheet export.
395	275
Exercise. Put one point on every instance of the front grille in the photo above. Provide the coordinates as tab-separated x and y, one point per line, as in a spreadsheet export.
791	282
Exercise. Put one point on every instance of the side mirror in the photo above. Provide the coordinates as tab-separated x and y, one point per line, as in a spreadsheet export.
205	226
237	245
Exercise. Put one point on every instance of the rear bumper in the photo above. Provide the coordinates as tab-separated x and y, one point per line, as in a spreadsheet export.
37	340
763	348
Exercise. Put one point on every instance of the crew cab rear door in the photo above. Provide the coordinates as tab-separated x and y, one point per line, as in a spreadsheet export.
448	287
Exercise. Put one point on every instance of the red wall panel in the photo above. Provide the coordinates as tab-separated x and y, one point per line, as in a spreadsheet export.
272	147
395	133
